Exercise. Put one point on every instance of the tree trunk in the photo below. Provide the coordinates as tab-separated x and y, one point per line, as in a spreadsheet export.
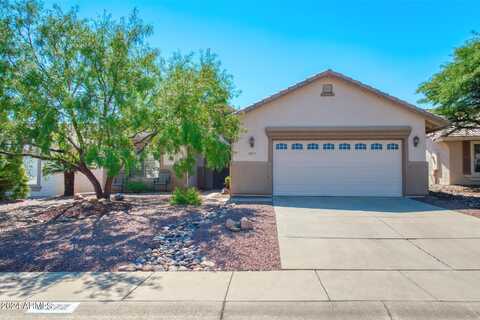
108	188
69	183
93	180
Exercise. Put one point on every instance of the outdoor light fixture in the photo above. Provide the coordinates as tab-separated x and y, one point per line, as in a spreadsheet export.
251	141
416	140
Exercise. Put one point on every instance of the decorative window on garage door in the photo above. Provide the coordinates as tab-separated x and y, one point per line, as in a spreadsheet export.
360	146
312	146
297	146
376	146
281	146
328	146
344	146
392	146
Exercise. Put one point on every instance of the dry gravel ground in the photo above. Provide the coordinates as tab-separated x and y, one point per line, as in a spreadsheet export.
66	235
465	199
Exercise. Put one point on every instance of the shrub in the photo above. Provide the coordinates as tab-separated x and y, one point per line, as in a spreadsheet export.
13	179
186	196
228	181
137	187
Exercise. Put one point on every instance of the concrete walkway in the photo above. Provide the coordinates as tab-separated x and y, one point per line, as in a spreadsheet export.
308	294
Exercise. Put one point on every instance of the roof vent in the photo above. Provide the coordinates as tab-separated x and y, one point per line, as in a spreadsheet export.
327	90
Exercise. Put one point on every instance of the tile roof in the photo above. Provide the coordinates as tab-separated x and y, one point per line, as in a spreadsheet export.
447	132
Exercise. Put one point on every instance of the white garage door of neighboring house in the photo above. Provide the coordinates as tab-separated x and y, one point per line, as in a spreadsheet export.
337	168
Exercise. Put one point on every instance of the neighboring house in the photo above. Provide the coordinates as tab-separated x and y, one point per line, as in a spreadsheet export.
454	156
153	174
148	173
330	135
53	185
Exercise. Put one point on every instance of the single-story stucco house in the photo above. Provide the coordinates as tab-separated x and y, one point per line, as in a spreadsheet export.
454	156
331	135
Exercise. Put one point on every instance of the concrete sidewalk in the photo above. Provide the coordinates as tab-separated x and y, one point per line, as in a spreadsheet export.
243	295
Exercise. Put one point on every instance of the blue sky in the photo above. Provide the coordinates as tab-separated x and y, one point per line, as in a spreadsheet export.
269	45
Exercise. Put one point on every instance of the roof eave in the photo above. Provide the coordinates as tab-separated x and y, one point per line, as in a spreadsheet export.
435	121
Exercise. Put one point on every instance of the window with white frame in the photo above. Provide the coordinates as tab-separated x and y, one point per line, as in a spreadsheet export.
281	146
297	146
360	146
33	171
312	146
392	146
376	146
344	146
328	146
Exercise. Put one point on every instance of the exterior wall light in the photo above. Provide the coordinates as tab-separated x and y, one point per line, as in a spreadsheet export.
416	140
251	142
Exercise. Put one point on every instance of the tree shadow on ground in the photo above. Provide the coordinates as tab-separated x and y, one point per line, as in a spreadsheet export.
98	286
118	234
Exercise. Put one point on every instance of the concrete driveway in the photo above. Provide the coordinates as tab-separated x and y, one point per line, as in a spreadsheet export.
350	233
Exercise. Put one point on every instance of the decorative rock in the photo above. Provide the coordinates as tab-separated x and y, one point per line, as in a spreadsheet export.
208	263
140	260
127	267
246	224
78	196
230	223
147	268
118	197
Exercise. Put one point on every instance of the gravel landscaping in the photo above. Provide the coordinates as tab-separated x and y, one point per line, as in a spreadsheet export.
465	199
140	232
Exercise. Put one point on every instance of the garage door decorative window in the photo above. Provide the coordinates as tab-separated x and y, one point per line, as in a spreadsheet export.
297	146
328	146
344	146
281	146
392	146
376	146
312	146
360	146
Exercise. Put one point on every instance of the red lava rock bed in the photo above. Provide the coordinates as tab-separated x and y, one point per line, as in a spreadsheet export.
141	232
465	199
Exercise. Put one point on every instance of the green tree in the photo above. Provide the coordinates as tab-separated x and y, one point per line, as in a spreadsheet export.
13	179
455	90
86	93
192	115
79	90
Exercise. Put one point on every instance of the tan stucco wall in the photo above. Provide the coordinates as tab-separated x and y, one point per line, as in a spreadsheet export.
416	182
305	107
456	163
438	158
350	106
251	178
449	158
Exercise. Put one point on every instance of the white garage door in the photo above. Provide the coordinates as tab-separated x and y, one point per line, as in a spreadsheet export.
337	168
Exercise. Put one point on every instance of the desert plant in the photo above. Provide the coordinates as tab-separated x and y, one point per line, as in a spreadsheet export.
13	178
186	196
137	187
228	181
